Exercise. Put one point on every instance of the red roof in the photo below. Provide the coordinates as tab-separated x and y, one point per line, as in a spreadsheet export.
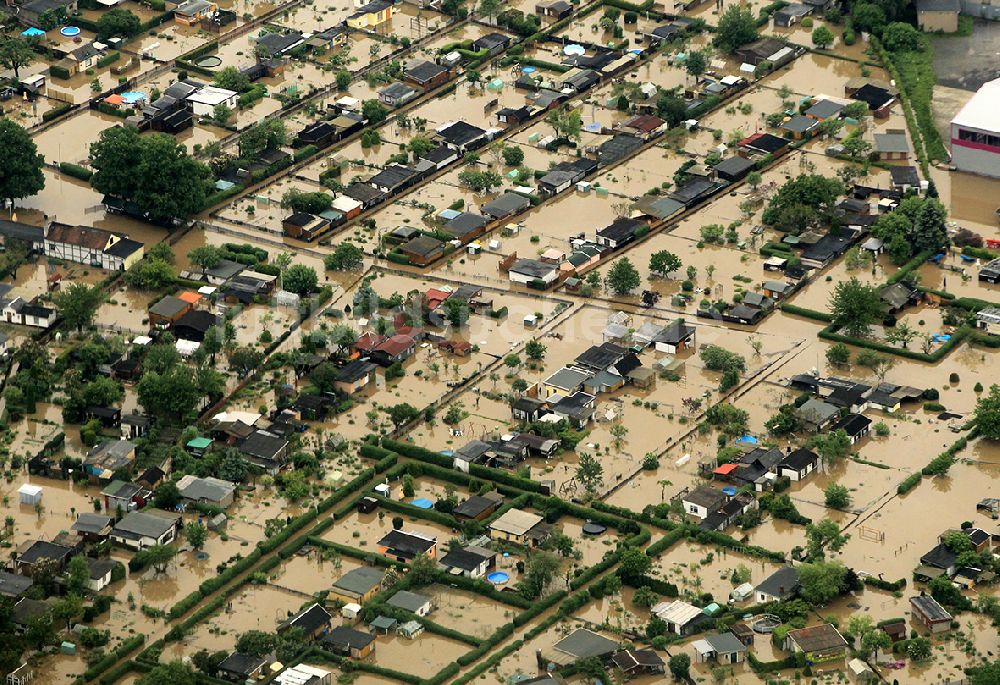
646	123
369	341
750	139
435	297
396	345
726	469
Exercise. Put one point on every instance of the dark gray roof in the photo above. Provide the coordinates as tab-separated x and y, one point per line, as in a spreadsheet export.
423	245
91	523
904	175
583	644
143	524
242	664
465	223
355	370
359	580
345	636
782	583
930	608
938	6
409	601
460	133
532	267
397	91
407	543
392	176
505	205
15	229
13	585
725	643
800	124
824	109
466	559
41	550
424	71
734	165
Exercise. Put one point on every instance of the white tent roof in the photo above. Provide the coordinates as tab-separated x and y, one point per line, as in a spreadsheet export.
29	489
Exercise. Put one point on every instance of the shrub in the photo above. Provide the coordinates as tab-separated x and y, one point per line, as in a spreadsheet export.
76	171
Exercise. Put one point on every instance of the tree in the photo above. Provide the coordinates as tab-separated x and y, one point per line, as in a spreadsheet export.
345	257
930	229
401	414
118	23
20	164
343	78
243	360
154	171
837	496
874	640
663	262
268	134
645	597
825	534
233	467
540	569
233	79
68	608
833	445
534	349
374	111
988	414
855	306
16	51
810	193
822	37
480	181
902	37
78	575
256	643
173	394
159	556
513	155
821	581
205	256
423	570
150	274
901	333
488	8
590	473
986	674
680	666
173	673
78	304
838	354
672	109
635	565
167	496
309	202
920	650
300	279
696	63
737	27
622	277
456	310
855	146
565	122
196	534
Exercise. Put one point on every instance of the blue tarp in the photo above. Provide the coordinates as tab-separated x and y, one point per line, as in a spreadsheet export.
32	32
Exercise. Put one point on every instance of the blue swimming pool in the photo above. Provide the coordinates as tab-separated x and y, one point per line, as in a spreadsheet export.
498	577
422	503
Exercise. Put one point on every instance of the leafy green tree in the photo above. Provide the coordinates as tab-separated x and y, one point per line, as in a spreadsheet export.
77	575
635	565
118	23
838	354
855	306
153	171
622	277
480	181
172	395
822	37
205	256
664	262
540	569
988	414
20	164
68	608
868	17
16	51
150	274
233	79
833	445
696	64
159	556
680	666
268	134
812	194
167	496
78	303
589	473
196	534
645	597
821	581
837	496
374	111
567	123
300	279
401	414
823	535
737	27
343	79
534	349
899	36
243	360
345	257
513	155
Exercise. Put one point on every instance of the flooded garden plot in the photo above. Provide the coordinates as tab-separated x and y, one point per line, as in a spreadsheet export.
970	199
171	40
698	570
314	572
467	612
263	210
878	546
69	140
254	607
959	277
592	548
61	500
363	531
193	239
813	74
422	656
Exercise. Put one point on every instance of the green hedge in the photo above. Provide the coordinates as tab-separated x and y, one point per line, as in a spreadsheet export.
909	483
56	71
914	263
894	586
113	657
956	337
979	253
76	171
305	152
805	312
348	665
109	58
56	111
482	472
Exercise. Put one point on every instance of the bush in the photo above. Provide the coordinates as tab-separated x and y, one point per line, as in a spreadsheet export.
56	111
109	58
55	71
76	171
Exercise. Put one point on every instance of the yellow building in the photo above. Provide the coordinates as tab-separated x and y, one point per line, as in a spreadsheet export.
938	15
372	16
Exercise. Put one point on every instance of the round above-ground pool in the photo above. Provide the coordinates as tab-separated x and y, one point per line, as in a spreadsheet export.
591	528
209	61
498	577
70	30
422	503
